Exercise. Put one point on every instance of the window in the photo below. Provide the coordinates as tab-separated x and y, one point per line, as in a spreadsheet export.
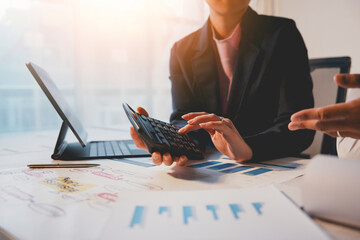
100	53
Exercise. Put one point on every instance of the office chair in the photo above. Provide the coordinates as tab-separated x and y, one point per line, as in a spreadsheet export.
326	92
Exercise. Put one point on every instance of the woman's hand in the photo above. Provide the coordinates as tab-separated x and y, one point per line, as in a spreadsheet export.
157	158
336	120
223	134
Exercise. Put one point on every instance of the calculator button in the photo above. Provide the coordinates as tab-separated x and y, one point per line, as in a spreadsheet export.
158	138
166	142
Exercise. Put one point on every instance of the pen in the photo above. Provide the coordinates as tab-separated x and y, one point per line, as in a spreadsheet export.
66	165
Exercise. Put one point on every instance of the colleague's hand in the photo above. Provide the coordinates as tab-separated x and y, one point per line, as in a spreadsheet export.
223	134
157	157
336	120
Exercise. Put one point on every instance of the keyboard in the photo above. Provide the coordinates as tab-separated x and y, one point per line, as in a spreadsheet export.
108	149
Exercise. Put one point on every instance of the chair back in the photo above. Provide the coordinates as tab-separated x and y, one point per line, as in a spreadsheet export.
326	92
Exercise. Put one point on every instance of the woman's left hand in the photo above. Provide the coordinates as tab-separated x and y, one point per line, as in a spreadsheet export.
223	134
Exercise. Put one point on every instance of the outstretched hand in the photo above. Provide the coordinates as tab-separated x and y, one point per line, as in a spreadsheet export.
342	119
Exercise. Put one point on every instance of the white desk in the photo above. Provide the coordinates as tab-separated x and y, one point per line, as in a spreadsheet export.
18	150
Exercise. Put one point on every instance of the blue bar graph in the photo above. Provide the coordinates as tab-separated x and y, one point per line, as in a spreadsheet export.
188	212
138	162
236	169
257	171
137	218
222	166
204	164
213	209
258	206
236	209
163	209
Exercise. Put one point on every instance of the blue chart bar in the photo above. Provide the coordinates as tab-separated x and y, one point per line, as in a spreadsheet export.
236	209
137	218
258	206
188	213
257	171
236	169
204	164
213	208
222	166
135	162
163	209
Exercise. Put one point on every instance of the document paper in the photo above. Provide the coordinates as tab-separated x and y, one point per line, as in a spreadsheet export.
75	203
331	189
261	213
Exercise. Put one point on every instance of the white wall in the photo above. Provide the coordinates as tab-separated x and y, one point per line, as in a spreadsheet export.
329	27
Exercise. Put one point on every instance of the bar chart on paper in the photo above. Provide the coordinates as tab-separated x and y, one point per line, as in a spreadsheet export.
189	212
214	214
230	168
253	174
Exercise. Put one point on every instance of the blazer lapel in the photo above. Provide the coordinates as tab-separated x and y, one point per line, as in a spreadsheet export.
245	64
205	72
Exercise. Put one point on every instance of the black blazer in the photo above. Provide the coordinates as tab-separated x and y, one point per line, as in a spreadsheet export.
271	82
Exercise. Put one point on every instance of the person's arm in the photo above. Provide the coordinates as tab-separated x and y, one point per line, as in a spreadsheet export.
339	120
348	147
342	119
295	94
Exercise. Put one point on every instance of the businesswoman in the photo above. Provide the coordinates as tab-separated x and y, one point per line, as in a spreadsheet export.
240	77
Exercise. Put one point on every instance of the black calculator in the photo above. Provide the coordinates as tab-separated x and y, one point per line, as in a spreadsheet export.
162	137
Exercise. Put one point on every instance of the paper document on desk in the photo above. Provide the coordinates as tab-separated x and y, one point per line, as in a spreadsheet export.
262	213
74	203
55	199
331	189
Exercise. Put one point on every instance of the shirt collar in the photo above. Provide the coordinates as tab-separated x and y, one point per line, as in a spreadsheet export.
234	35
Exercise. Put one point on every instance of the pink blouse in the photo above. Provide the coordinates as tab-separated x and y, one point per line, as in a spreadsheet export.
227	51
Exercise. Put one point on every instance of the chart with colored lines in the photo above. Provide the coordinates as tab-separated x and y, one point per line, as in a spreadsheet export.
211	214
55	197
248	169
231	168
252	174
